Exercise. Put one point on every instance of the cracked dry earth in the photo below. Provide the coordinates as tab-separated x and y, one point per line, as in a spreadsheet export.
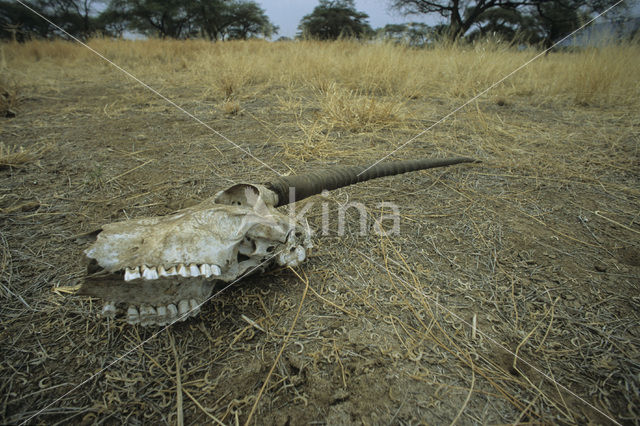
534	251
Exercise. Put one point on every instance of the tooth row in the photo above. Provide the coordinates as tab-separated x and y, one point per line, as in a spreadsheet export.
153	273
161	315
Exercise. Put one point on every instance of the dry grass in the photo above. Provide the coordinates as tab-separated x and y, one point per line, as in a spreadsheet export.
9	95
19	156
598	75
509	296
352	111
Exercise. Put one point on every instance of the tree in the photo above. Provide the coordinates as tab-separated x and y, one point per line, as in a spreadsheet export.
462	15
76	17
506	24
19	23
247	20
557	19
164	18
412	34
332	19
213	19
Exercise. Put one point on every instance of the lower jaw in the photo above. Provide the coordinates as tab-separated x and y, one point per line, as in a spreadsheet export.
148	302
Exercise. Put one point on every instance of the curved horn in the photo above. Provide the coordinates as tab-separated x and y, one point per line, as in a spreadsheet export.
315	182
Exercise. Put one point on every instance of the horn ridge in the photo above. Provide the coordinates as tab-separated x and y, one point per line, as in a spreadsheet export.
314	183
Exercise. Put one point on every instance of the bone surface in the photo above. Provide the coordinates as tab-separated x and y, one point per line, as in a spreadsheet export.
167	266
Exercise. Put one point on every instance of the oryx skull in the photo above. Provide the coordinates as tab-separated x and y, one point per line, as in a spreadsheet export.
164	268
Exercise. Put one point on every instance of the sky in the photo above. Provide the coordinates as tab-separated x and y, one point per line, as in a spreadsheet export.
287	14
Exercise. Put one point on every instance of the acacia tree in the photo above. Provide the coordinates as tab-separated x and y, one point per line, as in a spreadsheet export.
247	19
332	19
19	23
412	34
557	19
76	17
506	24
165	18
463	14
213	19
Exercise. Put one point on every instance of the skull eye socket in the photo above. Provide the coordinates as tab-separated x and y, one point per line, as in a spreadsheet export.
238	195
241	257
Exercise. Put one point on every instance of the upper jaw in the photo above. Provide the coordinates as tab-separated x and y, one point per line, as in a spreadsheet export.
165	266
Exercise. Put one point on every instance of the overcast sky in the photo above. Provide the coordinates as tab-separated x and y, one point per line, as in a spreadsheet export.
287	13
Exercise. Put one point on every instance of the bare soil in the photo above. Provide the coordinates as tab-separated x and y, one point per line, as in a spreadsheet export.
534	252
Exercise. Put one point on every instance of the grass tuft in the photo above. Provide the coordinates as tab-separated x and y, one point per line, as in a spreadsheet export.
357	113
19	156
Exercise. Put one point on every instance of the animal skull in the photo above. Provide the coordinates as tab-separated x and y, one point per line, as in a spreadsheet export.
165	268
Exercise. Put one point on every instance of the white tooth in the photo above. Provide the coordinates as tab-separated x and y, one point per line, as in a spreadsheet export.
171	271
205	270
194	270
195	307
147	315
161	271
161	319
131	274
109	310
183	309
301	252
132	315
215	270
172	312
149	273
183	271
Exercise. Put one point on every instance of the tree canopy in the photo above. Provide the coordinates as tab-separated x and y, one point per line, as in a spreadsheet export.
333	19
416	34
213	19
533	20
77	17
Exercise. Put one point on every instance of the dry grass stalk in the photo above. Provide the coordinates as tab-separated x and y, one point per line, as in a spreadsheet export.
9	97
19	156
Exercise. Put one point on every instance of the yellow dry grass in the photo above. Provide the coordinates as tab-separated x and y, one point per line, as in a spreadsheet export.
11	156
602	75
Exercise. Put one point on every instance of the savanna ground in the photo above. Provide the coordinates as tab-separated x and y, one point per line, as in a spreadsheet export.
535	251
